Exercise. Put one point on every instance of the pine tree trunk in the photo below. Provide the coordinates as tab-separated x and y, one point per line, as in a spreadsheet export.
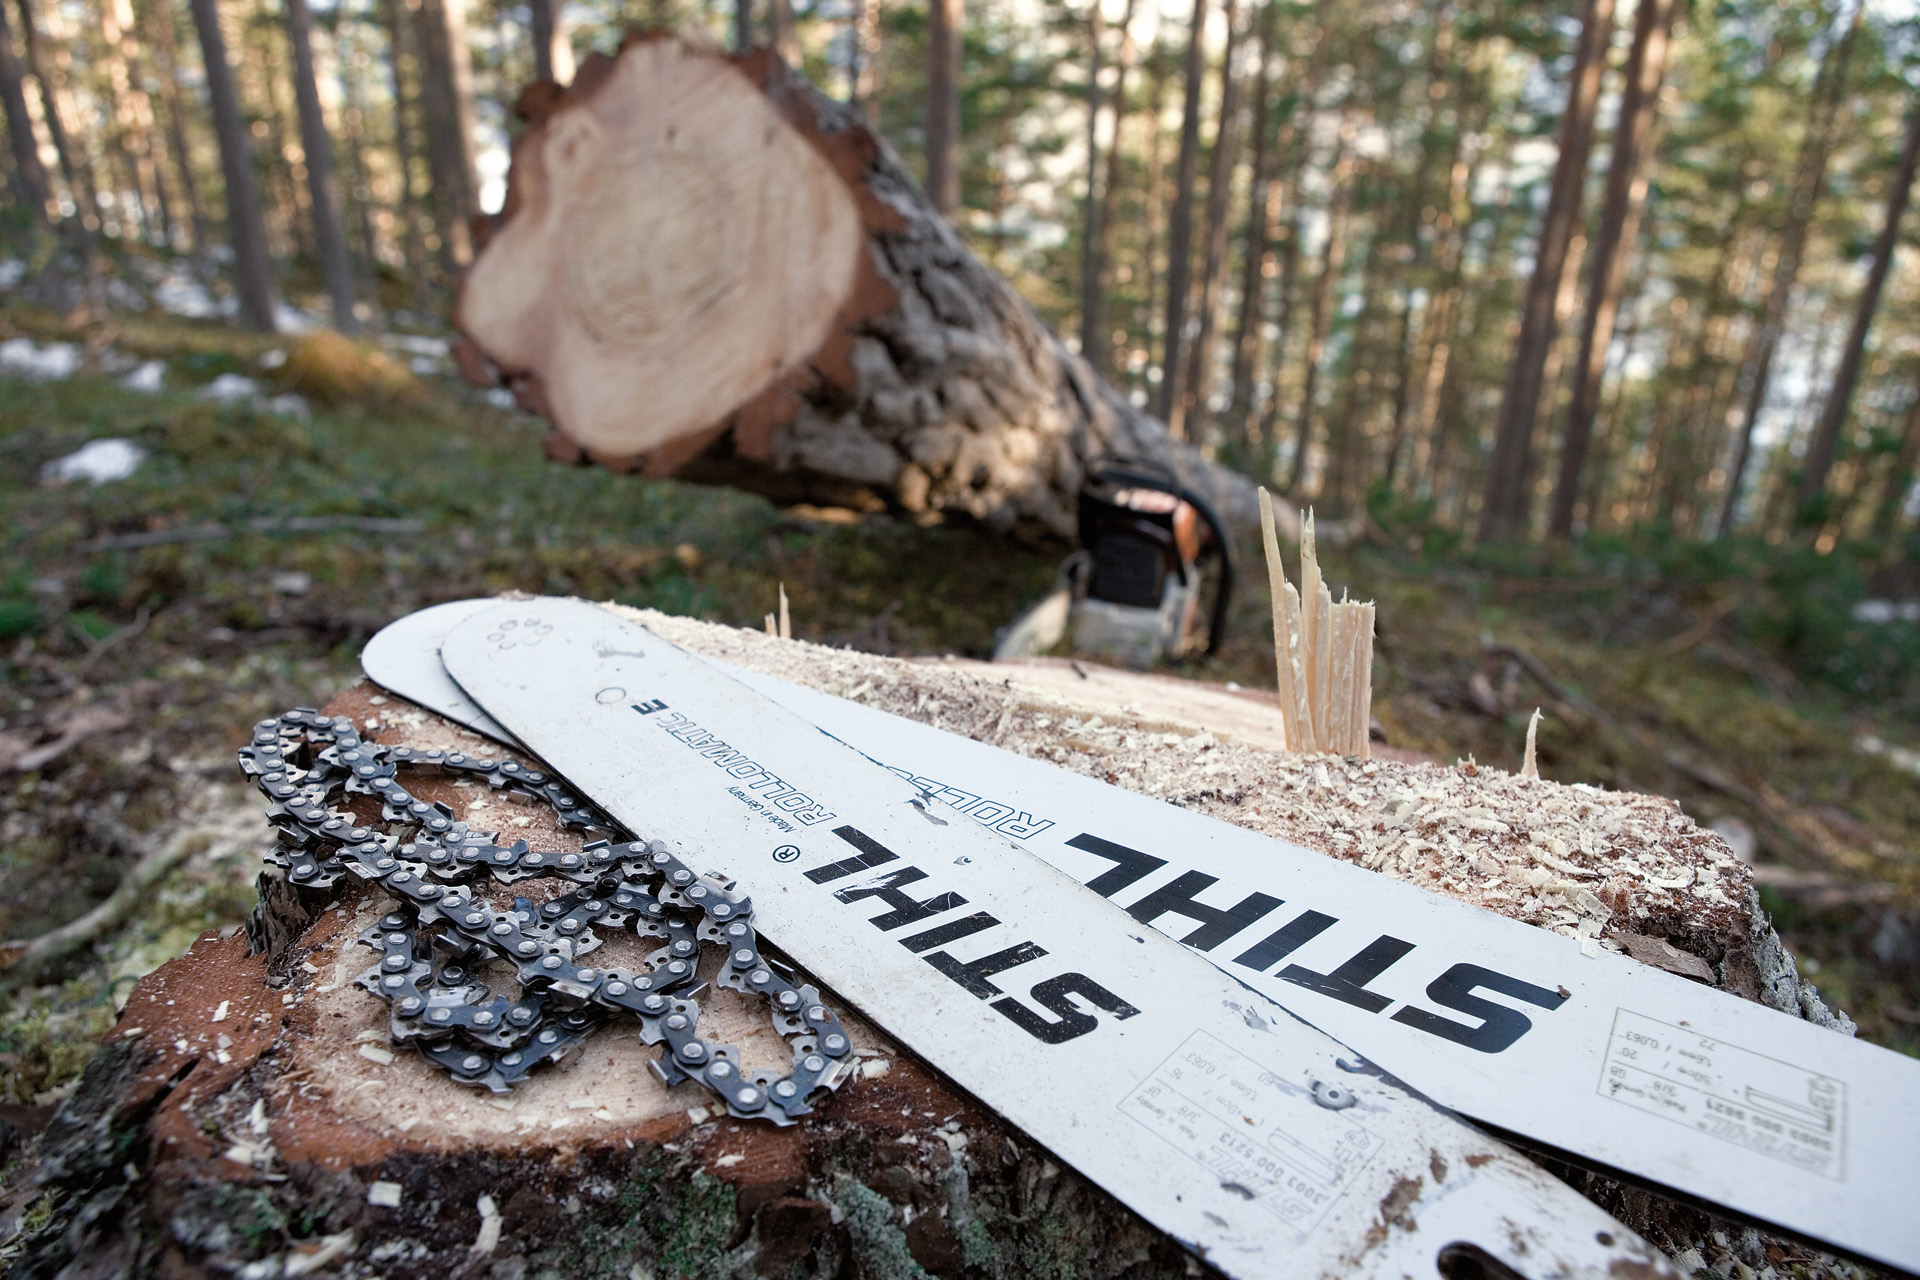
73	163
945	20
552	55
769	302
1619	224
1810	180
157	20
781	33
1257	257
1180	223
246	232
1504	504
446	100
336	268
1191	414
1090	281
412	243
1333	260
1826	436
29	177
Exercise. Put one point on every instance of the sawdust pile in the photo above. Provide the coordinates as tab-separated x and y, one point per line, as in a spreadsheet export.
1624	872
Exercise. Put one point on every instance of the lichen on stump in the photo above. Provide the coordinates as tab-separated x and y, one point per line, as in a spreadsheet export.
707	268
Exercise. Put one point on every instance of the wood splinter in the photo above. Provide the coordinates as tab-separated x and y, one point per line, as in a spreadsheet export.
1322	651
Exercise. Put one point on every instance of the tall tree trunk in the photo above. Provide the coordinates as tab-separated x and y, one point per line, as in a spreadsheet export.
157	20
1090	281
133	112
1180	225
1333	258
336	268
1810	180
1900	476
350	73
945	20
73	162
1503	506
742	25
781	33
552	47
412	244
246	232
446	99
29	176
1191	410
1826	436
1619	223
1257	257
1096	343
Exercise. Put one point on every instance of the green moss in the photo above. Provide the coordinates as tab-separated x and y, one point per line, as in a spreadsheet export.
879	1246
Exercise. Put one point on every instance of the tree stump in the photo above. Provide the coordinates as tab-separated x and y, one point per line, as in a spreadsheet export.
707	268
248	1115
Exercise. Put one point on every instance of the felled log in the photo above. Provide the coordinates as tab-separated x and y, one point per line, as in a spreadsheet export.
248	1115
706	268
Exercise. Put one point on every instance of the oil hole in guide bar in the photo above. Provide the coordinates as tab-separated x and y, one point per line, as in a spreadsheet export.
1463	1261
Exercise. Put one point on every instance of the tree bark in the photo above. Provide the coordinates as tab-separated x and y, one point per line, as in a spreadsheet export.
158	19
246	232
1191	411
781	33
770	303
1810	180
945	20
552	49
1095	322
336	268
29	176
1900	476
1333	260
1257	256
1091	283
412	243
1504	505
446	99
1619	223
1826	436
73	165
1180	222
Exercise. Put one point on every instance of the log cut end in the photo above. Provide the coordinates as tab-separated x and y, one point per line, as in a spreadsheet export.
707	268
674	246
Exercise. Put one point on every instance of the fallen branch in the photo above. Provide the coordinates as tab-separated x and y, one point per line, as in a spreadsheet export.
215	532
98	648
23	959
18	755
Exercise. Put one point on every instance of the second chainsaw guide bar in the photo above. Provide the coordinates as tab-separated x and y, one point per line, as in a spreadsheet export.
1611	1061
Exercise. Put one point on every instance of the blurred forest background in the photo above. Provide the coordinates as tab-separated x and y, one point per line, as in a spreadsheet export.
1593	324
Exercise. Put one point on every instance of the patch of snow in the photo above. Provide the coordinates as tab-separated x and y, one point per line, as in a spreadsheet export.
420	345
125	295
1900	757
290	405
229	387
97	462
178	293
147	378
292	583
54	362
291	319
1882	611
499	397
273	359
427	366
12	272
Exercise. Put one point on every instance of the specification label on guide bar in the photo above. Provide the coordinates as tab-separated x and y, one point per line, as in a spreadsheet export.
1264	1137
1760	1103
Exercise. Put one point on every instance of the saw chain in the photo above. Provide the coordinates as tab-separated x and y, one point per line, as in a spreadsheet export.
444	933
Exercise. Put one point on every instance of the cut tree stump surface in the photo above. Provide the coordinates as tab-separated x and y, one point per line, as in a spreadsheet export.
248	1115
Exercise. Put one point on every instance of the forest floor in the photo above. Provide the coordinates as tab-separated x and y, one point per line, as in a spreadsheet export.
145	623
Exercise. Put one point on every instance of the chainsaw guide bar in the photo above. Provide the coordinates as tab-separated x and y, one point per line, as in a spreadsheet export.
1616	1064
